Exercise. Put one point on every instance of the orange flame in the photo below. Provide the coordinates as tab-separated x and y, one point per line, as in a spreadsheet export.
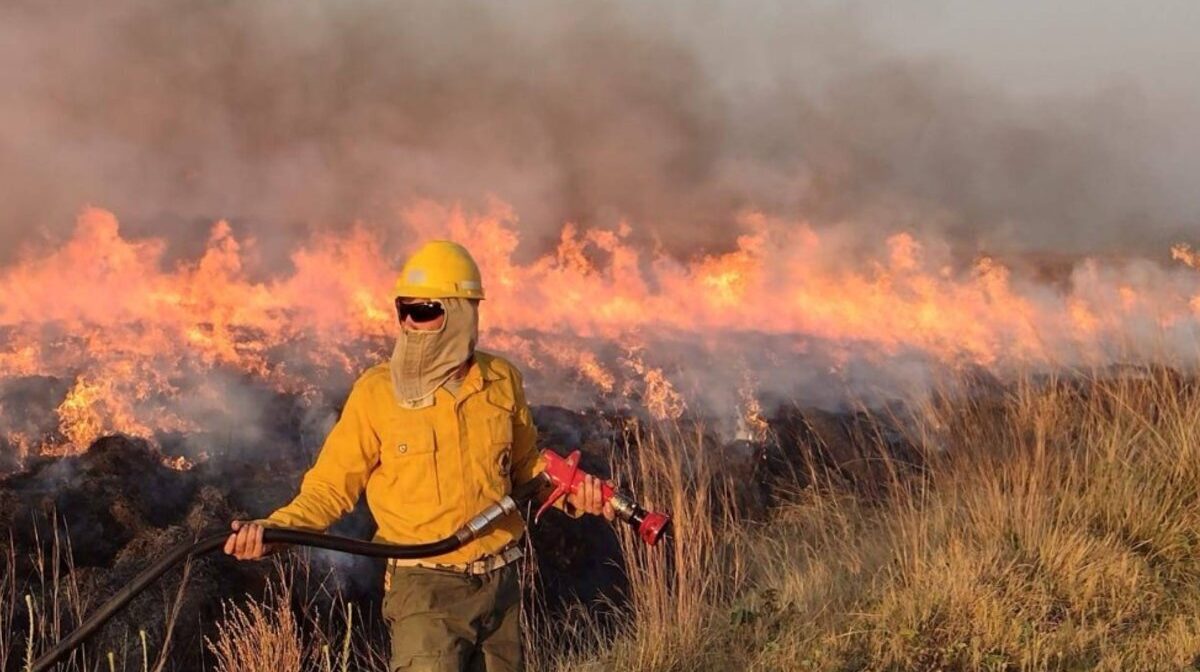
104	312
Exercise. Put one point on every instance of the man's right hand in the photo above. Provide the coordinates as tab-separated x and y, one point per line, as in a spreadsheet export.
246	542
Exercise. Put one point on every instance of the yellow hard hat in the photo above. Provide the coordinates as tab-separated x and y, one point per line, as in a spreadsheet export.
440	269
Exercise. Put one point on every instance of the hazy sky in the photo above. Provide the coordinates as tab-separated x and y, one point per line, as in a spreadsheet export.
1147	51
1037	48
1068	125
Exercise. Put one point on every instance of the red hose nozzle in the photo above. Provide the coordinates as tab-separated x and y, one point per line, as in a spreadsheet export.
654	526
566	476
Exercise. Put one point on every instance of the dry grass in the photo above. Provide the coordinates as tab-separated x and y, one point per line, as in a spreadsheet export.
35	613
43	597
259	636
667	620
267	636
1053	526
1058	529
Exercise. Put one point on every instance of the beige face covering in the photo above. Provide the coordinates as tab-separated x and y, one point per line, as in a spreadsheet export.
424	360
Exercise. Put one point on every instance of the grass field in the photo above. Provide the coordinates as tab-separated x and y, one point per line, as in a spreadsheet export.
1051	525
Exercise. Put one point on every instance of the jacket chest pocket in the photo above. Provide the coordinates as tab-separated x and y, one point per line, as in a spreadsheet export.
410	457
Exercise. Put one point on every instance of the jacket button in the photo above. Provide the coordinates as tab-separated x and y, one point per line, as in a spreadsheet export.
403	448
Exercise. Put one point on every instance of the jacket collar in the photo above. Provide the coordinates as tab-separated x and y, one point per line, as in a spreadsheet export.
479	375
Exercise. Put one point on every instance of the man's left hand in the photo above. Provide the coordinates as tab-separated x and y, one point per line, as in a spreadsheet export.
588	498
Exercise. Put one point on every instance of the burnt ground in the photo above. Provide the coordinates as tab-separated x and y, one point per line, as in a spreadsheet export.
121	507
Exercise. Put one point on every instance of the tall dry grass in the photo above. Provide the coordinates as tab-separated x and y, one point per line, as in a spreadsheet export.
666	621
279	633
40	597
1056	527
260	636
43	597
1050	525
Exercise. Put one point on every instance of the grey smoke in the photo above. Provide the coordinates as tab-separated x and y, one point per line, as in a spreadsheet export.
287	116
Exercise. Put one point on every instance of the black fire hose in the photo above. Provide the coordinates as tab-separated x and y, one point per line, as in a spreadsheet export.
472	529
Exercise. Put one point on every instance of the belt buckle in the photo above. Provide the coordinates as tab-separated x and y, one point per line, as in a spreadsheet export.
491	563
481	566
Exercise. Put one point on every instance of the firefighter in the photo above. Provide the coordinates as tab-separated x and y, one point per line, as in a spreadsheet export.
432	437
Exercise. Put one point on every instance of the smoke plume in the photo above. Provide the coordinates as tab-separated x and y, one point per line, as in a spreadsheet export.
288	116
679	205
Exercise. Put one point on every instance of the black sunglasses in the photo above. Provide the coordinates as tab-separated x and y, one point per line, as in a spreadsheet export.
426	311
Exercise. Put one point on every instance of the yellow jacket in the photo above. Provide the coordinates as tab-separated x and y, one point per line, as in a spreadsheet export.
426	471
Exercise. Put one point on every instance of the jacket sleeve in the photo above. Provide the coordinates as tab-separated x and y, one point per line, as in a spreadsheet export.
332	487
528	462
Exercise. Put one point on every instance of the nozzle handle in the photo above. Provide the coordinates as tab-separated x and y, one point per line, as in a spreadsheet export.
566	477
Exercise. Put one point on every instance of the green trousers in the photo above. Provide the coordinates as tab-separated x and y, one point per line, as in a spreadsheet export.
443	621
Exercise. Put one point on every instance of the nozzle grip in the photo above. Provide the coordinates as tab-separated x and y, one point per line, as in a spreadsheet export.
566	476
